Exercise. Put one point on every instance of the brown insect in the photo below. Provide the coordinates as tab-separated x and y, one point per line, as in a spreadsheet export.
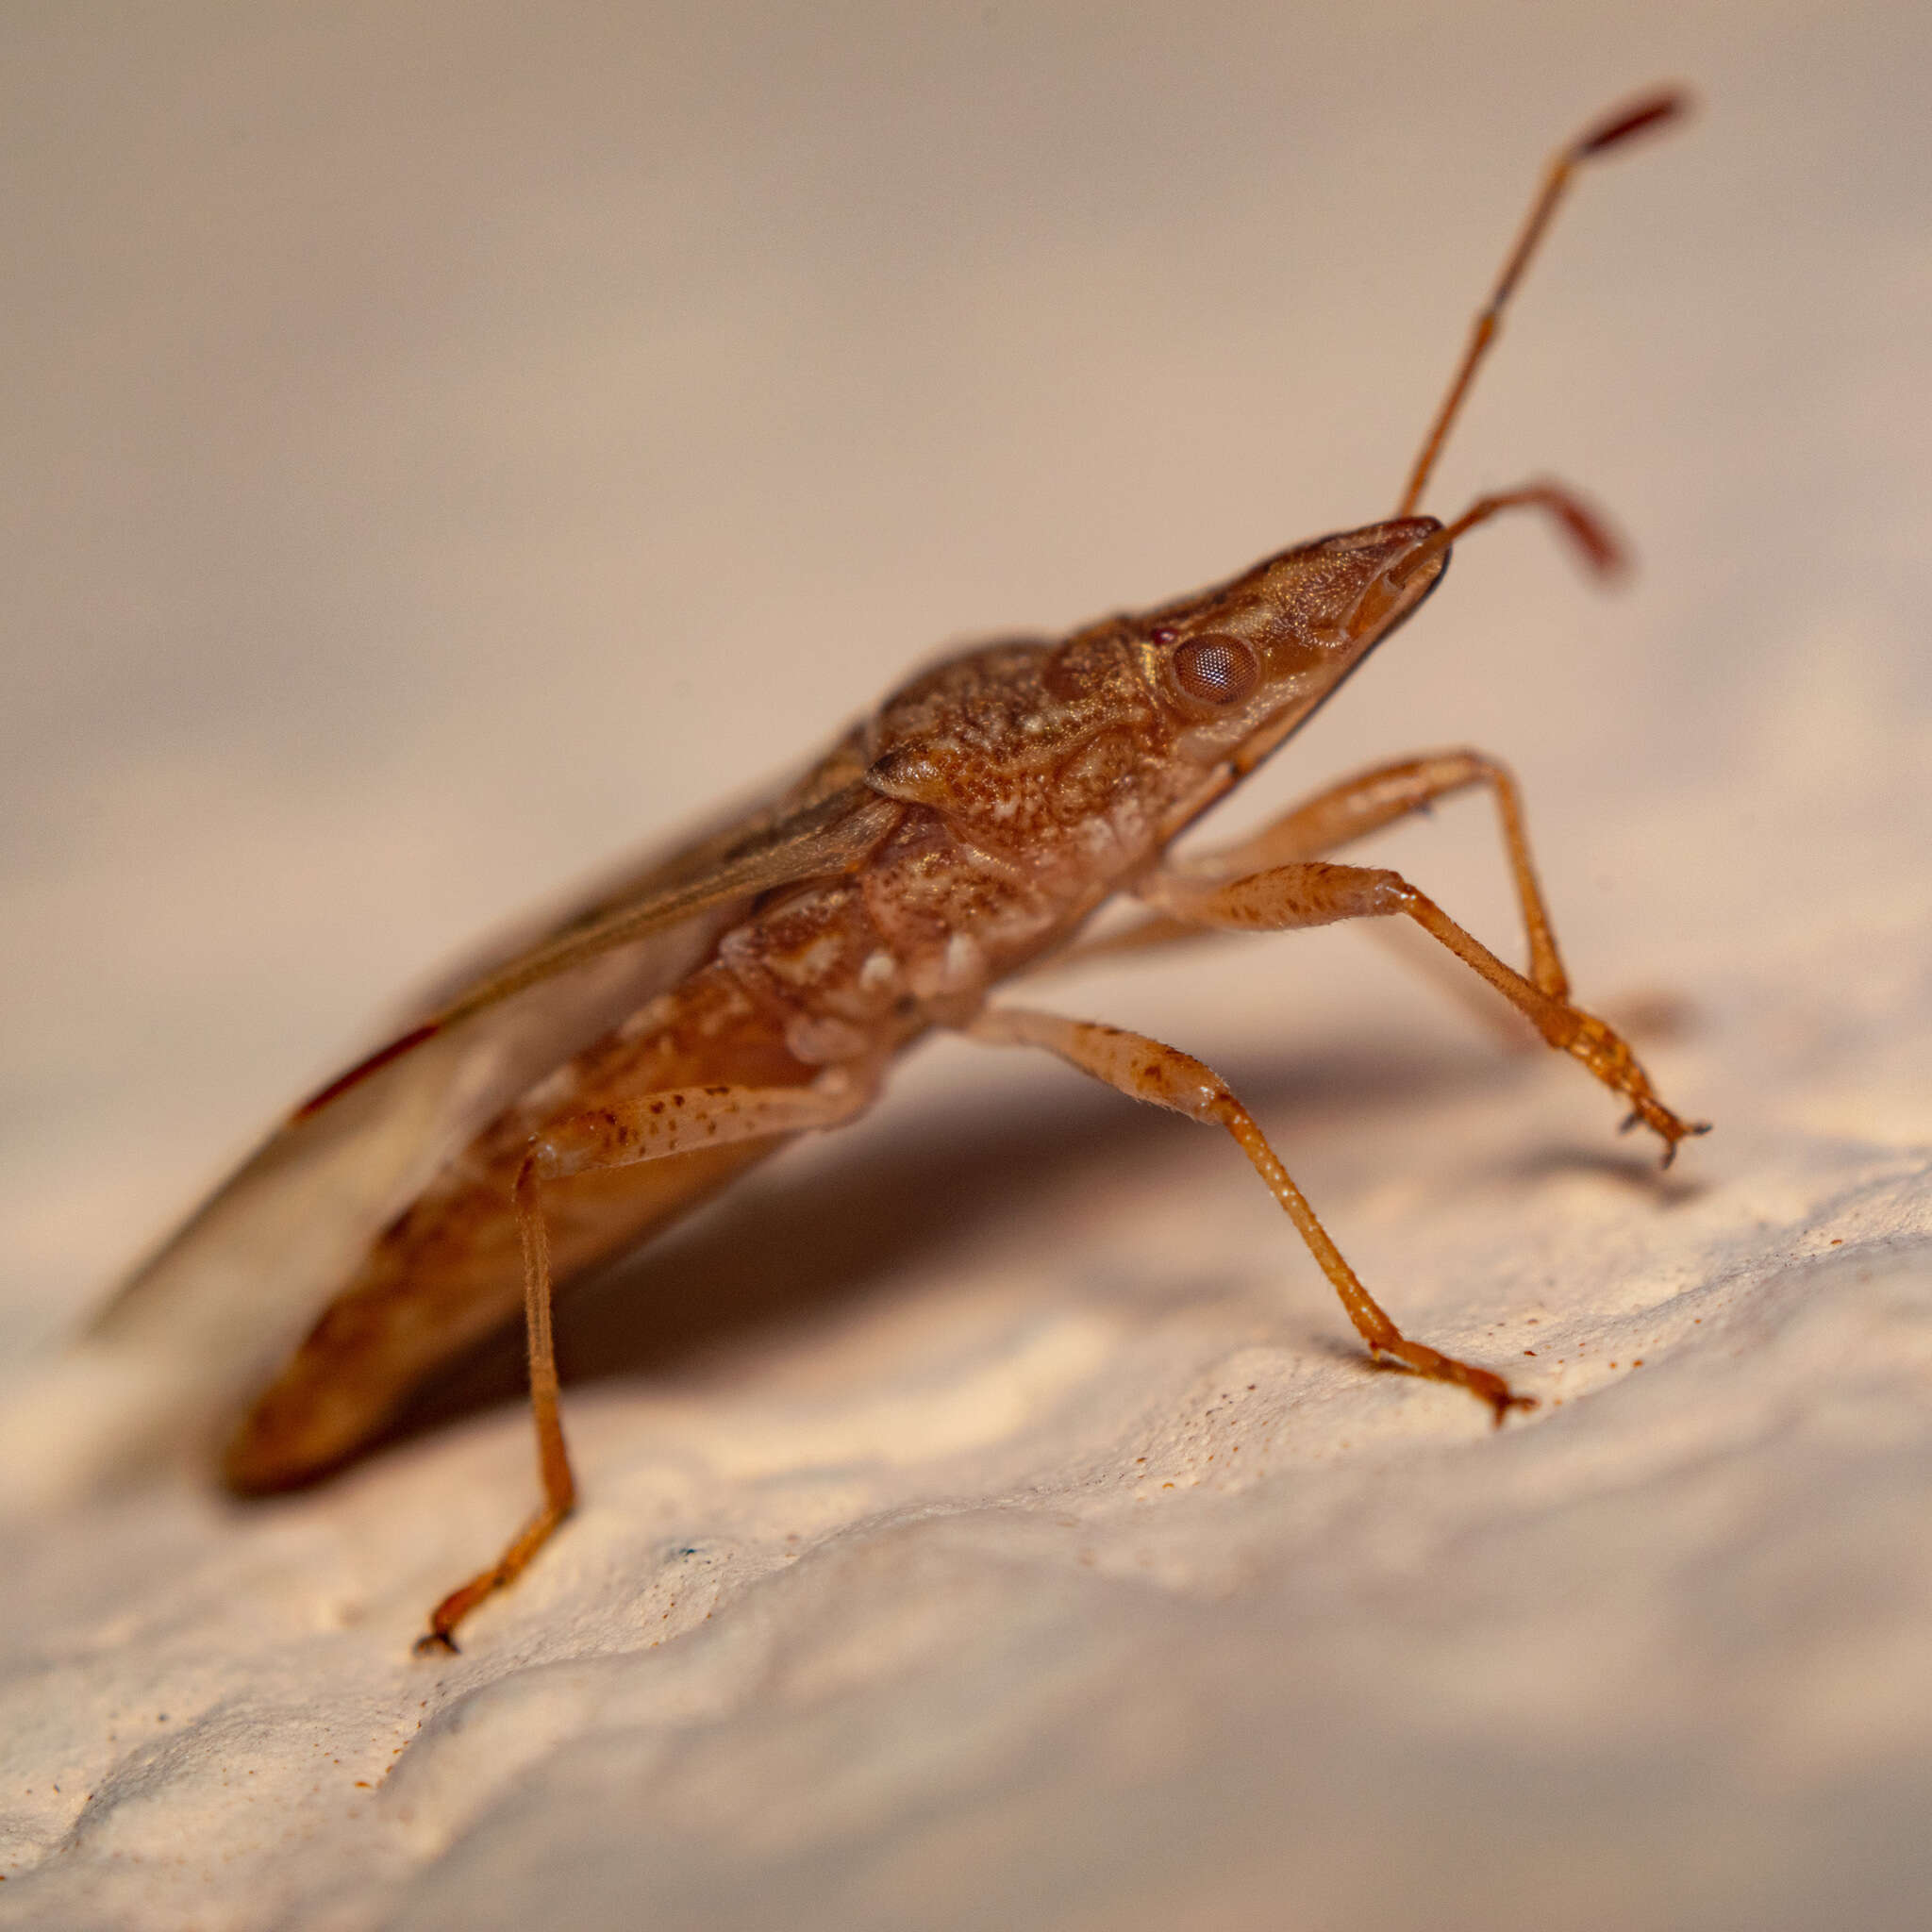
571	1095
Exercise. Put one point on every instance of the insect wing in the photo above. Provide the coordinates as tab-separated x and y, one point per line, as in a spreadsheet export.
201	1323
643	881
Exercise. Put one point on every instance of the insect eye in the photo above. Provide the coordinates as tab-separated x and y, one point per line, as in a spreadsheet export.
1216	670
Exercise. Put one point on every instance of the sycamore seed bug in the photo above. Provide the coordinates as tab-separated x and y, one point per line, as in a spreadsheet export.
568	1097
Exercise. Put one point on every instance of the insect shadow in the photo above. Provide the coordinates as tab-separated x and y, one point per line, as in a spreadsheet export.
812	1238
1629	1170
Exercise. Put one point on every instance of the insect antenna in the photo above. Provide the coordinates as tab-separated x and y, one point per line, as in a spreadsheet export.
1592	537
1647	111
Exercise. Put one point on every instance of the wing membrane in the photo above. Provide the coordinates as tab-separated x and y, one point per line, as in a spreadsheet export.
209	1313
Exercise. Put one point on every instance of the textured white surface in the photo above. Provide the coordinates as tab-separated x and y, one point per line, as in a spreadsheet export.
445	446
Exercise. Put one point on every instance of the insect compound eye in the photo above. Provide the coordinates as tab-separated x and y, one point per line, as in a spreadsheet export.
1216	670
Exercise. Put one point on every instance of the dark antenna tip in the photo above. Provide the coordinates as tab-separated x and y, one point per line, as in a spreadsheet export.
1648	111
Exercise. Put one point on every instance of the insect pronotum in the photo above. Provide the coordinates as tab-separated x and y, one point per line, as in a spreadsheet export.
570	1096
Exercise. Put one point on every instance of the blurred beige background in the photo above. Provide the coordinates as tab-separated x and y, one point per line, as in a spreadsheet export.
447	445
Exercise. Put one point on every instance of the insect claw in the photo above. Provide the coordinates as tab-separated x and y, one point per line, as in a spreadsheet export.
1685	1131
1503	1404
435	1644
1633	1117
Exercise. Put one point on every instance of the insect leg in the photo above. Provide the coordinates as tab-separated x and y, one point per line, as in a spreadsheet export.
1370	800
1143	1069
650	1127
1314	892
553	1455
1351	809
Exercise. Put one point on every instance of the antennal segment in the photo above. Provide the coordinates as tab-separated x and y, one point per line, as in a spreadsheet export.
1595	542
1666	104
